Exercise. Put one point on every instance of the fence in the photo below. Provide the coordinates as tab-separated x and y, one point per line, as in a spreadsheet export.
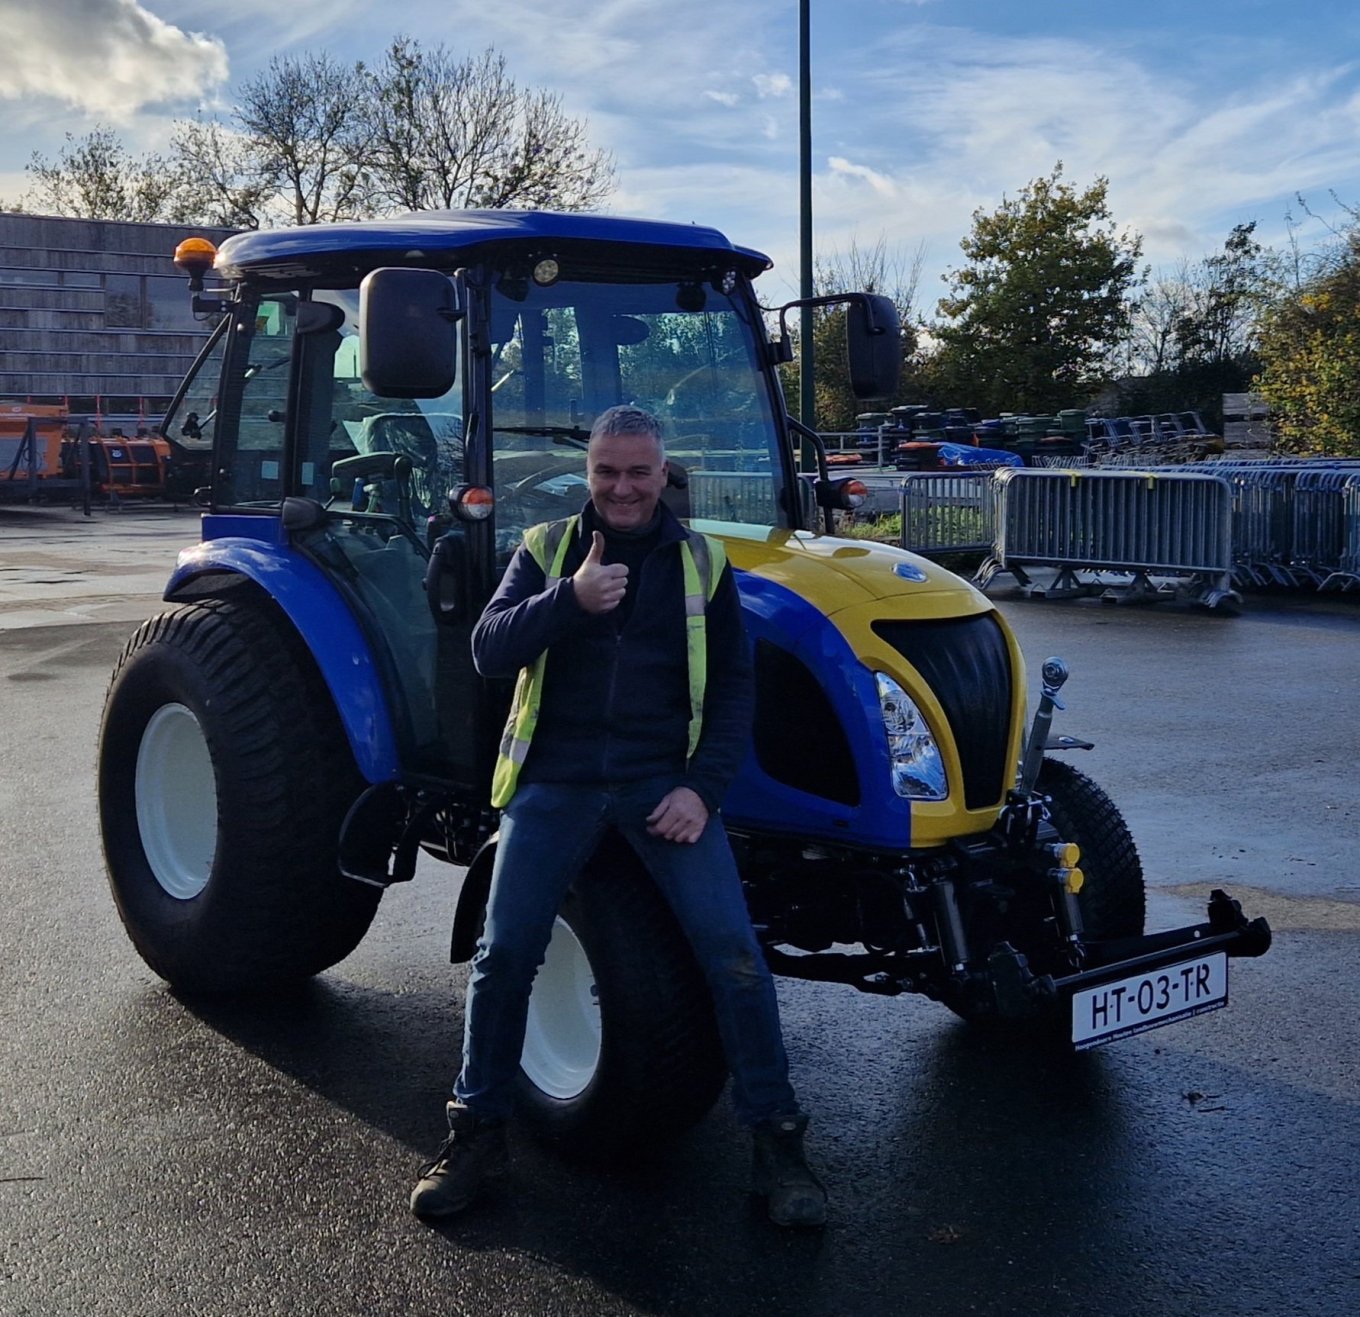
1289	519
733	496
948	512
1347	575
1293	522
1167	524
873	447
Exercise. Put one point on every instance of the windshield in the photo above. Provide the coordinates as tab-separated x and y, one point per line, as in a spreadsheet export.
686	352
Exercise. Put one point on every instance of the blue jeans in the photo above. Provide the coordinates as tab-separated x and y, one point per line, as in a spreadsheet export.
548	832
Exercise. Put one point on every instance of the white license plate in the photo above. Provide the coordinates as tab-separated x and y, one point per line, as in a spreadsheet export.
1147	1001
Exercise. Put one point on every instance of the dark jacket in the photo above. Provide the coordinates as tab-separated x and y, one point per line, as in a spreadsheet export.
616	697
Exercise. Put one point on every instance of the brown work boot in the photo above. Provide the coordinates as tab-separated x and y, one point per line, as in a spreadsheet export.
794	1194
473	1153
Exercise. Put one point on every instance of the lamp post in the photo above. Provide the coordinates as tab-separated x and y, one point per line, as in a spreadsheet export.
807	396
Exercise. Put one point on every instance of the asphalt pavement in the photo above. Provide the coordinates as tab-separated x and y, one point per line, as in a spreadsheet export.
163	1156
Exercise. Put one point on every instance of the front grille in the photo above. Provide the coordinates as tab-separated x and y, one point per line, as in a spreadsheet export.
798	738
967	665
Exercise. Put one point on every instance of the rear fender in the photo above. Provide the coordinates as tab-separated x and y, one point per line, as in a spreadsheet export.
326	626
467	919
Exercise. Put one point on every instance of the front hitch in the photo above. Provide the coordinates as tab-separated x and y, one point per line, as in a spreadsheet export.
1017	992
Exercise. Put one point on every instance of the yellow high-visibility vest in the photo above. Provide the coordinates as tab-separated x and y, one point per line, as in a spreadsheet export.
702	560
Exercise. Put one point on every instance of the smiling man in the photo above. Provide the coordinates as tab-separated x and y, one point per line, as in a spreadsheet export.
627	716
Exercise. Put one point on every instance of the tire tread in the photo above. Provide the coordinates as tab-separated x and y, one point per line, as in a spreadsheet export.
277	907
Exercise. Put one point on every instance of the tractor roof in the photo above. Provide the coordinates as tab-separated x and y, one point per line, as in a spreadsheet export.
453	237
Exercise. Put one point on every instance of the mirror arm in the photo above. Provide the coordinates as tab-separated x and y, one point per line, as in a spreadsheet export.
823	471
831	299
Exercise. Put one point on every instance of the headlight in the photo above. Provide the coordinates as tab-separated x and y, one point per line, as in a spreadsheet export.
917	768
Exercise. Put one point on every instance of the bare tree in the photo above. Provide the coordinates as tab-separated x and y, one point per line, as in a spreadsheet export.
873	269
876	269
96	177
304	126
312	140
448	133
223	180
1155	318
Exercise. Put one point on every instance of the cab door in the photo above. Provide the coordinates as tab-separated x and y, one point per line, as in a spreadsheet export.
380	470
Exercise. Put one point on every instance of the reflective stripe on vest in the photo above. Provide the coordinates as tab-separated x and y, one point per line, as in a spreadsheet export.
702	562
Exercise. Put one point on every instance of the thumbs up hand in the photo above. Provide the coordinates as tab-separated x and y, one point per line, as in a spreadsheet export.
599	586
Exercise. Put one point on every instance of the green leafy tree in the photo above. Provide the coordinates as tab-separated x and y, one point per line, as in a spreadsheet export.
1309	343
1033	318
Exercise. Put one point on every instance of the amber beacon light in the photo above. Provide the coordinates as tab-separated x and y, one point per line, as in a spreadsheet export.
195	256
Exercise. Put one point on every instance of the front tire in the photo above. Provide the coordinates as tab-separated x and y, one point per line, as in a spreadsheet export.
621	1045
1112	901
223	778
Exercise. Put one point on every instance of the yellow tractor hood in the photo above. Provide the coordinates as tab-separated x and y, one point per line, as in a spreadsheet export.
834	574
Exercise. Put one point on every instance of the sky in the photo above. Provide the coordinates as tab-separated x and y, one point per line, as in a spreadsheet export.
1201	113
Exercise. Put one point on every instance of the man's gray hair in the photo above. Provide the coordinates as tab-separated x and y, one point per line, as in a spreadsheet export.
628	420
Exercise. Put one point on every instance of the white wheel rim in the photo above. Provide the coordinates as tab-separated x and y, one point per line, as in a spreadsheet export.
176	795
562	1034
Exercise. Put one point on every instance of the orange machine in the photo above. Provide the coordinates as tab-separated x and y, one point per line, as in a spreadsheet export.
31	441
45	452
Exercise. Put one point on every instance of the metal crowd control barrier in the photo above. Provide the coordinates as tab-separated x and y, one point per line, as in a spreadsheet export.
1347	576
746	496
1142	524
1289	520
948	512
1319	524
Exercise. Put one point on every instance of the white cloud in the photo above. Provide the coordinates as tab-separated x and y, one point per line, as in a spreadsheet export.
106	58
1194	135
1186	156
880	183
772	84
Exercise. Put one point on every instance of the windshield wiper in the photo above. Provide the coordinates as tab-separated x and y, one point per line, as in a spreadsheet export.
562	434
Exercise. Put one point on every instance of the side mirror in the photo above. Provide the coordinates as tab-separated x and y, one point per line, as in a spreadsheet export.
408	336
873	342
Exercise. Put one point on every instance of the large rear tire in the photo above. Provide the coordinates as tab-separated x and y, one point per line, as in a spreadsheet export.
621	1046
223	779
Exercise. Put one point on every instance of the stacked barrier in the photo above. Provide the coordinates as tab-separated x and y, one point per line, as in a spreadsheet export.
1319	529
1142	524
1347	576
948	512
1289	519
